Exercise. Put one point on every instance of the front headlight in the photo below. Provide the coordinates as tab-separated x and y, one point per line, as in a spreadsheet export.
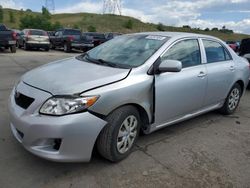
63	105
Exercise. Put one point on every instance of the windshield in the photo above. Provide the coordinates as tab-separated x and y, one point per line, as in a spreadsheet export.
128	50
72	32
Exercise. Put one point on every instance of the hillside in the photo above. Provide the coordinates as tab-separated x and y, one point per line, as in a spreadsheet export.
115	23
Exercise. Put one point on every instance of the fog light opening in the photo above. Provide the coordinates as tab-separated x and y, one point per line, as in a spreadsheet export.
57	144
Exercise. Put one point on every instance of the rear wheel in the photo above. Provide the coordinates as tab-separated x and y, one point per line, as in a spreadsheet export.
118	137
232	100
47	49
13	49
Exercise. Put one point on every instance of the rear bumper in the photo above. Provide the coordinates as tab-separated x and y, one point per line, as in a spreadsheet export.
7	43
82	45
38	44
38	134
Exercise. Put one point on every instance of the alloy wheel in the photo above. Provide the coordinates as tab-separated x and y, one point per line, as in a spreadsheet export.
234	99
127	134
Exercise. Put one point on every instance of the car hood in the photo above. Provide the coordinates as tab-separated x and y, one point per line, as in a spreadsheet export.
71	76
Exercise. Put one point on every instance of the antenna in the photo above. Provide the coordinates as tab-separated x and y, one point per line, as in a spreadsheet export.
111	6
50	5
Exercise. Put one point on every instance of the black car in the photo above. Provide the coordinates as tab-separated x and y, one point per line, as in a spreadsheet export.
70	39
98	38
110	36
245	47
7	38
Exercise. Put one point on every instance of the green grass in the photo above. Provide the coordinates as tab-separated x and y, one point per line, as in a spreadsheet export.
109	23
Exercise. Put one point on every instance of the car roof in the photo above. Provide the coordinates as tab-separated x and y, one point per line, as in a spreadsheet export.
178	34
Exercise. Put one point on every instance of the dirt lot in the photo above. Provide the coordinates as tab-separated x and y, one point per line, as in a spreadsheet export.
209	151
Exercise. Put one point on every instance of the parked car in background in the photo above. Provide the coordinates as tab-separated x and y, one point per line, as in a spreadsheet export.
34	39
51	35
233	45
110	36
7	38
71	39
98	38
136	82
245	51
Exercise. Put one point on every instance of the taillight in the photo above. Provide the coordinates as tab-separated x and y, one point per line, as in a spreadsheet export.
71	38
14	35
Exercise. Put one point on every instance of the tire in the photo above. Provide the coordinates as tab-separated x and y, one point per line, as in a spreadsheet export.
13	49
232	101
47	49
107	142
25	46
67	47
18	45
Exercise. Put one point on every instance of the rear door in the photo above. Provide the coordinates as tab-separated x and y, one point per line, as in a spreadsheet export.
178	94
220	69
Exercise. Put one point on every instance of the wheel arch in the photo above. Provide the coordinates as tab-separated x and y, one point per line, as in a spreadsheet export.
242	85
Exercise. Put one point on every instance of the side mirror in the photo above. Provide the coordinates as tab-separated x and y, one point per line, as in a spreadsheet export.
170	66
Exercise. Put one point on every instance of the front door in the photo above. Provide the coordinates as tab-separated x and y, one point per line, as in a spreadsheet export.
181	93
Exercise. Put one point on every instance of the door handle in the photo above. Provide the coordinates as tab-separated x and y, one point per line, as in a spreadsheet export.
202	74
232	68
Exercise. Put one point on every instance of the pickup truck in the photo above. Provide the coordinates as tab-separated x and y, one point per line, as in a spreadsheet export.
7	38
69	39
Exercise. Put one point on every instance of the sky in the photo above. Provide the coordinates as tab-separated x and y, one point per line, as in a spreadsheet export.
234	14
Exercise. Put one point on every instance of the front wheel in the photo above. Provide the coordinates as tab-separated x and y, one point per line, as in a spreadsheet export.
25	46
67	47
232	101
118	137
13	49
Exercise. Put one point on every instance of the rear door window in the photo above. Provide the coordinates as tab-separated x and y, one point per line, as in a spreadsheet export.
215	52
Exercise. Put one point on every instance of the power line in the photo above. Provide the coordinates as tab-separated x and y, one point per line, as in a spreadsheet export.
112	6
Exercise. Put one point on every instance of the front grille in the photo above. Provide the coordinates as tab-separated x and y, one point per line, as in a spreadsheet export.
23	101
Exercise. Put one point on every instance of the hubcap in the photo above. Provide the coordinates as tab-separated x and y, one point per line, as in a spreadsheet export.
234	98
127	134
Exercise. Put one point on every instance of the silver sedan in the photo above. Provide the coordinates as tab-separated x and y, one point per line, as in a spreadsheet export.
136	82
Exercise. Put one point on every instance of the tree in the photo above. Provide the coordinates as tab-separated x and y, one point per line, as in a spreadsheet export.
56	25
215	29
46	13
76	26
28	10
129	24
1	13
160	27
186	26
91	28
207	29
40	21
12	18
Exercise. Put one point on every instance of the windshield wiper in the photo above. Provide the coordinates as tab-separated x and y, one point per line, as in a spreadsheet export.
102	62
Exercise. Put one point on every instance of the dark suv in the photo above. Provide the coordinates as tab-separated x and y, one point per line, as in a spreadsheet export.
70	39
98	38
245	51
